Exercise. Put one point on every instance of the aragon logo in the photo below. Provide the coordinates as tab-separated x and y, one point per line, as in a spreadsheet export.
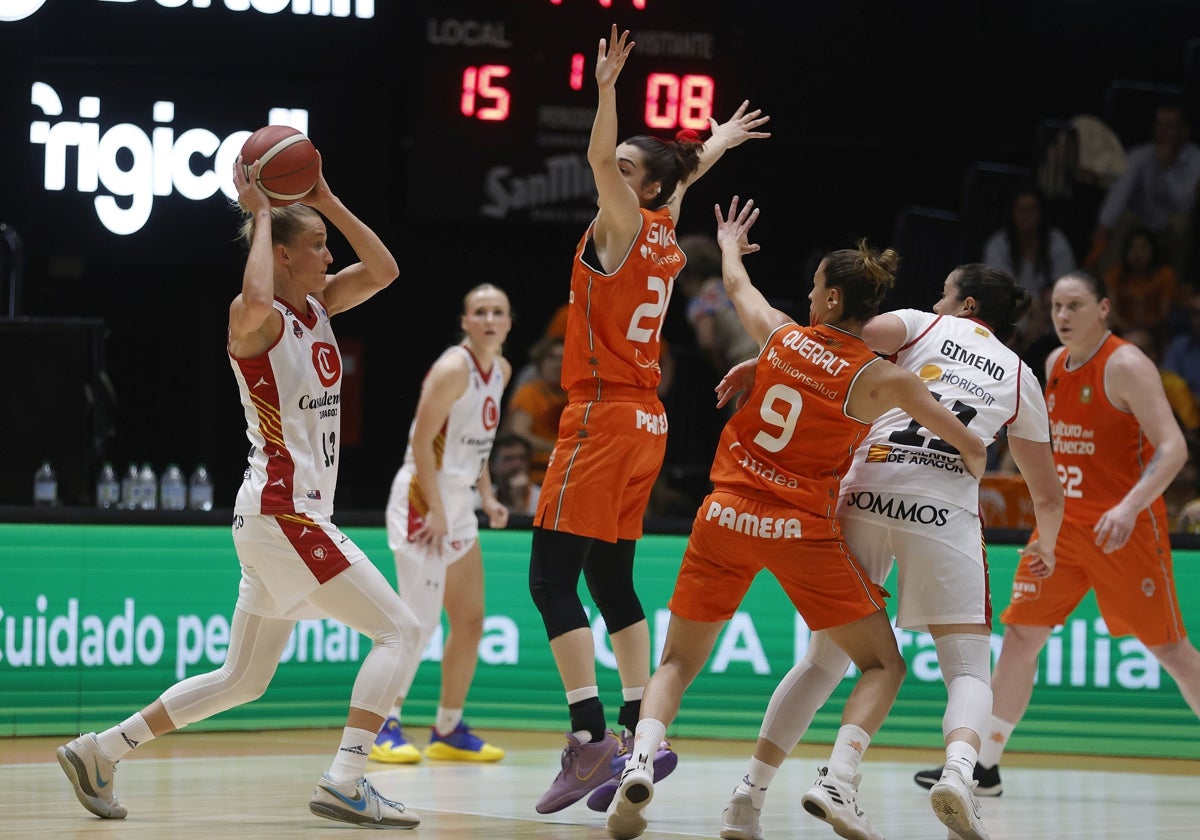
18	9
327	362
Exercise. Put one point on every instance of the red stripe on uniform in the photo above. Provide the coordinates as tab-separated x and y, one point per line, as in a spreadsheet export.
281	470
319	553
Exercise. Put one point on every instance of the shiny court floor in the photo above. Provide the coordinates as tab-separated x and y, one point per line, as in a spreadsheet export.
235	786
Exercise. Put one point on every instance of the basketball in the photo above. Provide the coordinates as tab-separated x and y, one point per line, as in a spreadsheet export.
290	163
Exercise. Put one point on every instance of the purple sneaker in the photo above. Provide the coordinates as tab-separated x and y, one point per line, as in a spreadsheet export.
664	763
584	767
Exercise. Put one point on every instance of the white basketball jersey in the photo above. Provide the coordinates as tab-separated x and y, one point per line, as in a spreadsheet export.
974	375
291	395
464	442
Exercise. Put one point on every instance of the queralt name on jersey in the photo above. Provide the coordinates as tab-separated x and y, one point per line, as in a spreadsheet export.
809	353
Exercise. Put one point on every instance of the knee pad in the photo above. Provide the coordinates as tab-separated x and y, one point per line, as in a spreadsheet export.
609	573
966	660
554	565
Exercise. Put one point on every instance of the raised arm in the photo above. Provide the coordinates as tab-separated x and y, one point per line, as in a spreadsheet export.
253	325
739	128
758	317
376	268
618	219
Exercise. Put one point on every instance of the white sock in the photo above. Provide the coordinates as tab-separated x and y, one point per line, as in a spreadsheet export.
395	712
995	739
756	781
649	735
960	757
448	720
351	761
852	741
116	742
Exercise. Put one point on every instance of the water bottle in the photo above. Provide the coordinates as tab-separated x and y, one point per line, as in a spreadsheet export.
108	489
200	490
172	491
45	486
147	488
130	488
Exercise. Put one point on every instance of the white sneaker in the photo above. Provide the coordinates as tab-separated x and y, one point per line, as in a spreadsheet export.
625	820
836	802
92	776
359	803
740	819
954	802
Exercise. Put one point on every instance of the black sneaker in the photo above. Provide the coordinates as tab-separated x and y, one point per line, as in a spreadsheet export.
988	778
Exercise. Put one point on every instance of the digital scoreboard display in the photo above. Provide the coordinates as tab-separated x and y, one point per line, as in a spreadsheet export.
508	94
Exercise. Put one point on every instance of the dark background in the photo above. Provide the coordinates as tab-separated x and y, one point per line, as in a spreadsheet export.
877	108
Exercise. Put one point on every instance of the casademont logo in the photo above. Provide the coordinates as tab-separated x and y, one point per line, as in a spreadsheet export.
12	10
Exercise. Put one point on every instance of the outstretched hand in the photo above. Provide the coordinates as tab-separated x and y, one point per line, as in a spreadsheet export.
738	380
611	58
733	231
740	127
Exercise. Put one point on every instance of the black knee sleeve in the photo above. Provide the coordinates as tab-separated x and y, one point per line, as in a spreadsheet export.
608	568
555	562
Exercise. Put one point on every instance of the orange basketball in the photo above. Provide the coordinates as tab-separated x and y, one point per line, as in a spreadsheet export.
290	163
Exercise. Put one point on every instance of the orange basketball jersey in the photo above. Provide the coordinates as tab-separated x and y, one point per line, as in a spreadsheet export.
792	439
1099	450
614	321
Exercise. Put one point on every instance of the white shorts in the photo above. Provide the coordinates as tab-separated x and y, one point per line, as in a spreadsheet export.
938	550
284	558
462	526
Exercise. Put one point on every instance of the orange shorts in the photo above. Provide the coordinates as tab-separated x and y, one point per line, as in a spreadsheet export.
733	538
1135	586
604	464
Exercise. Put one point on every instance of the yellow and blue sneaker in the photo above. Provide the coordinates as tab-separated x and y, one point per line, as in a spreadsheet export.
390	746
461	745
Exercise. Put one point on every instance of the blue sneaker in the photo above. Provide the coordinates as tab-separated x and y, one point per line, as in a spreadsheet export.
664	764
461	745
391	747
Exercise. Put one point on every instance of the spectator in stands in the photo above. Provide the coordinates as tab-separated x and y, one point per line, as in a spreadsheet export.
1028	248
510	466
1157	190
1142	286
534	408
1035	254
719	334
1183	352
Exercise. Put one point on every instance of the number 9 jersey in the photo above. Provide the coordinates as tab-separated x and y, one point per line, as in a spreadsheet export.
792	439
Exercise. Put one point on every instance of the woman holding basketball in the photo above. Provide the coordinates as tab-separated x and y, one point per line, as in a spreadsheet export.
295	562
612	433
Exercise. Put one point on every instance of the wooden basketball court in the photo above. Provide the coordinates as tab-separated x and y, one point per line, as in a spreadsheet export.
244	785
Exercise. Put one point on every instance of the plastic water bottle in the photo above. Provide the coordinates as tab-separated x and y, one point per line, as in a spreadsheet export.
200	490
147	488
172	490
108	489
130	489
45	486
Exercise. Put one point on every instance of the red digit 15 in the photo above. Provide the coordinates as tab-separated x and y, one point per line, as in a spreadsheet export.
482	98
